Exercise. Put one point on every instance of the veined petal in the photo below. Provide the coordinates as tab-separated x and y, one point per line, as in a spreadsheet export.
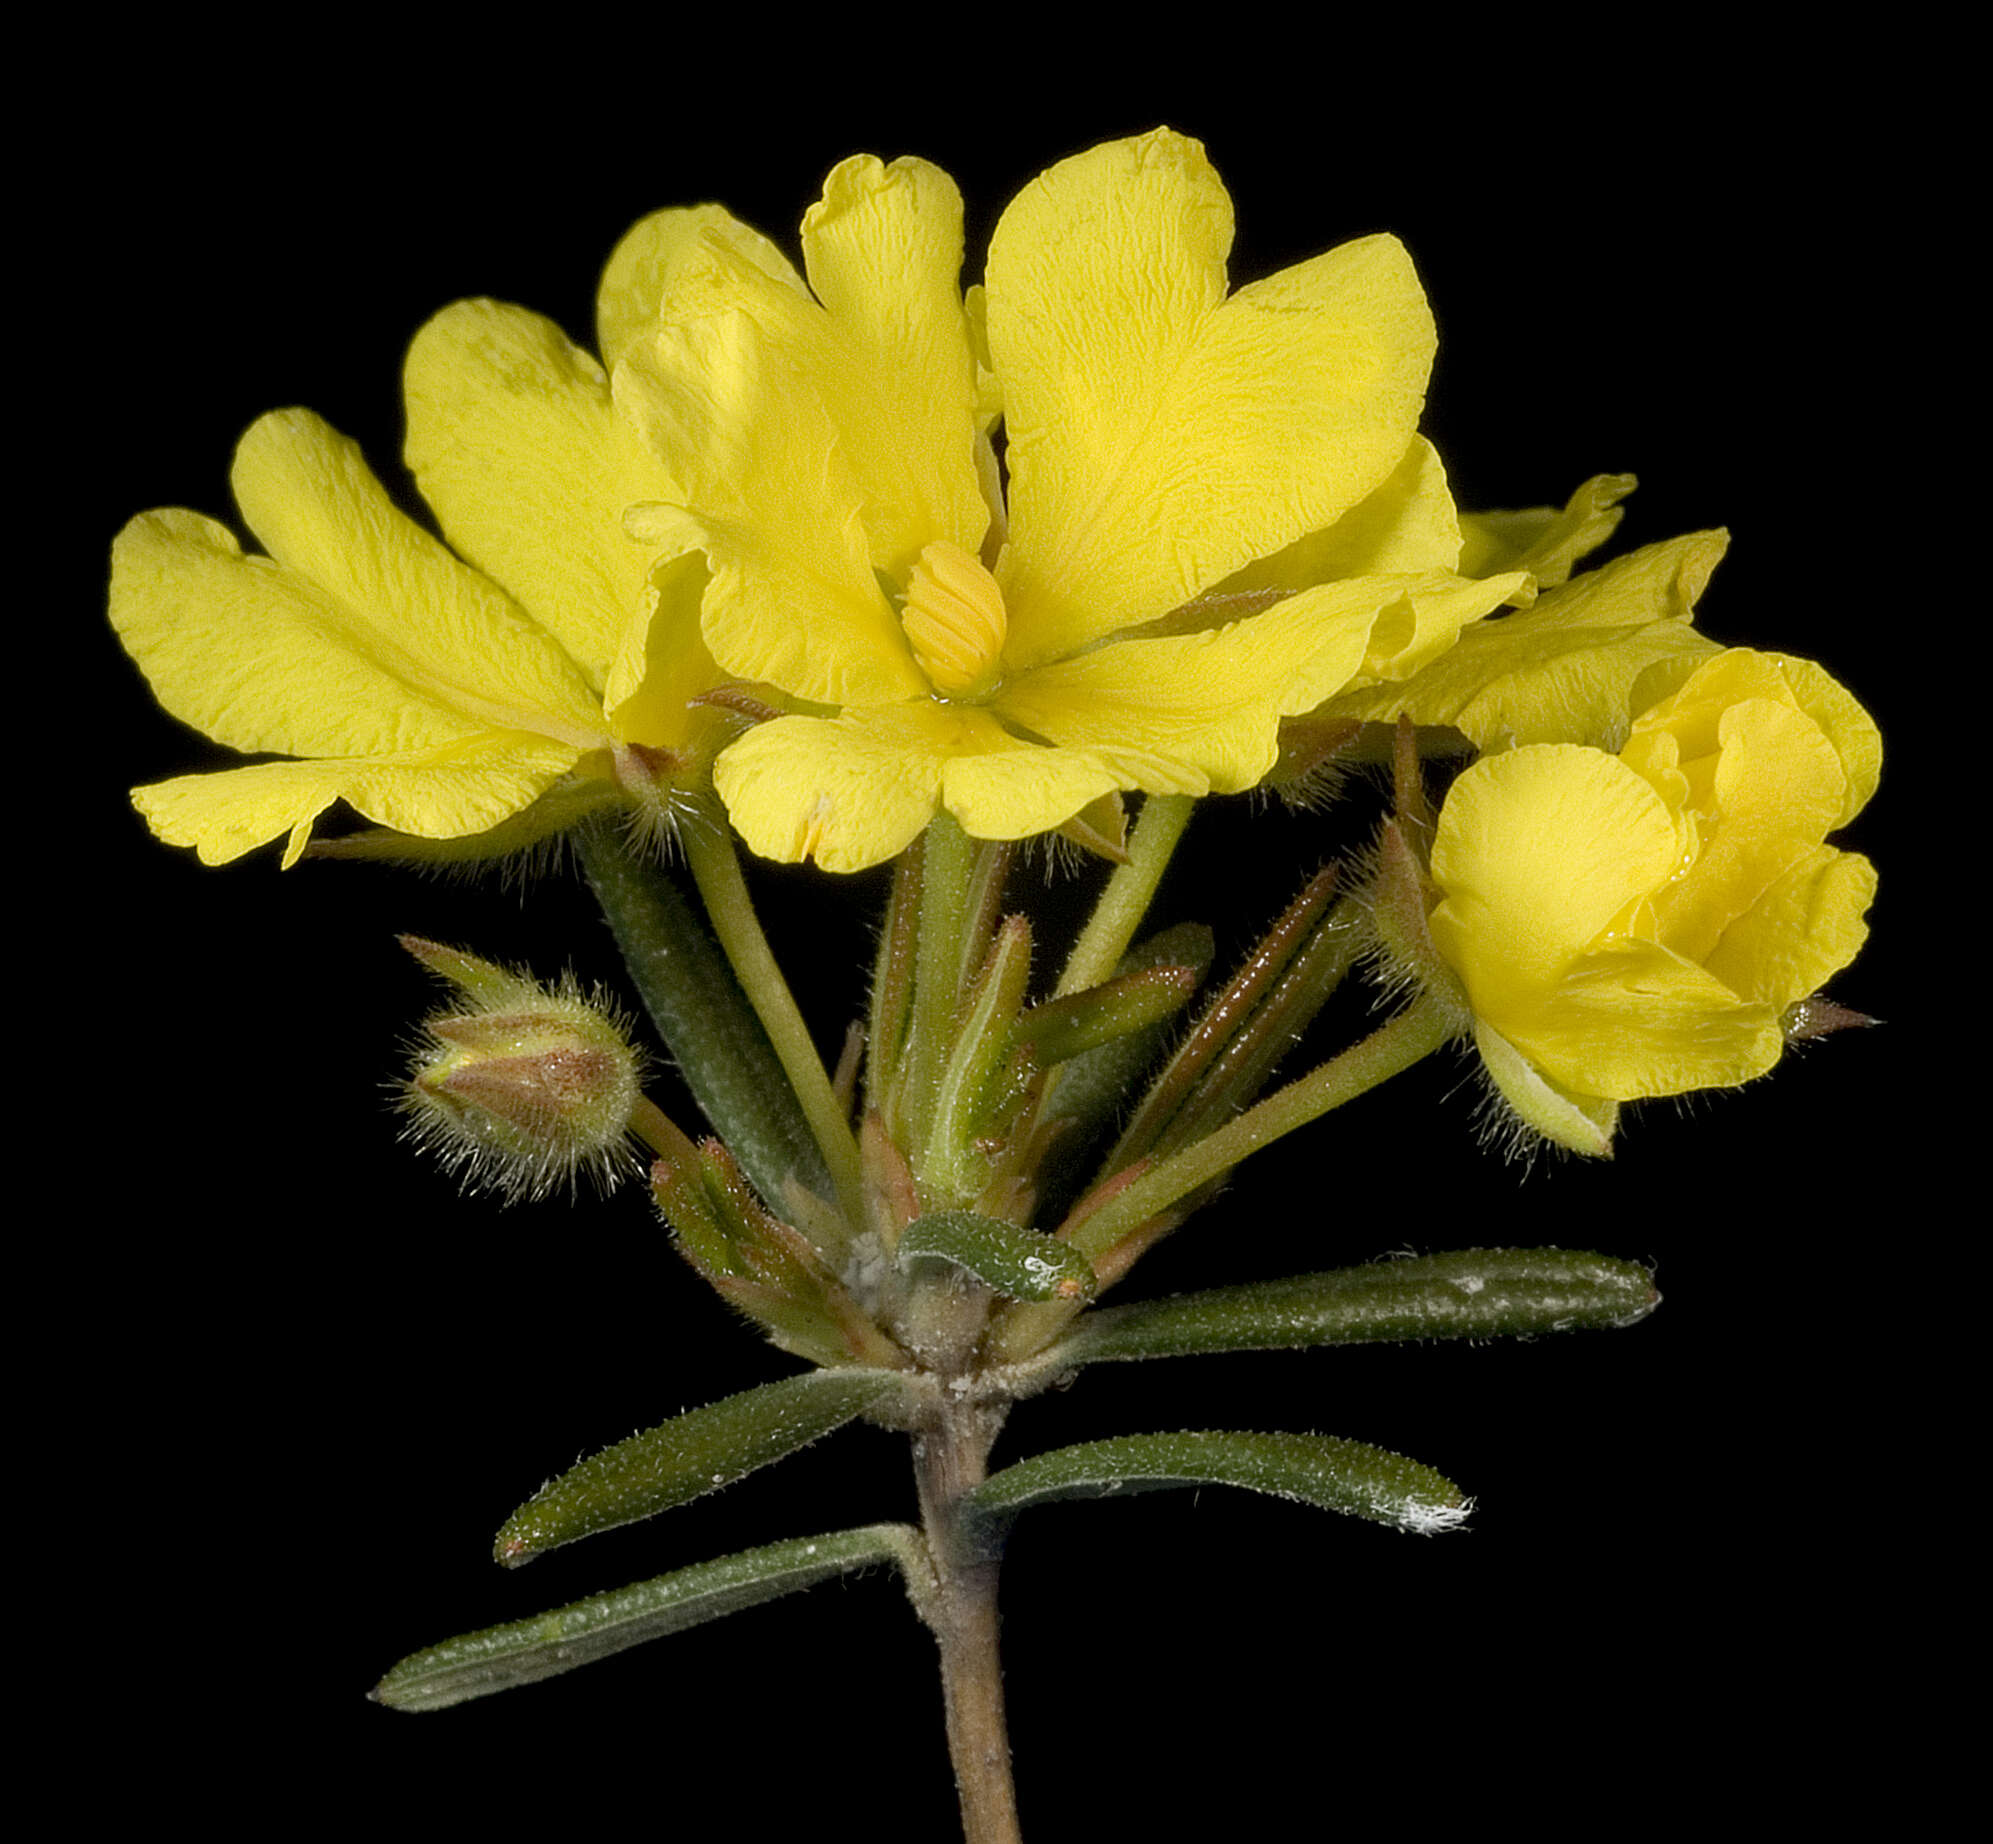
719	392
1805	928
1767	790
645	268
1538	852
512	437
854	790
653	704
1849	728
1408	525
447	792
895	363
1428	618
1547	541
411	609
1633	1020
1161	436
1209	702
1565	669
264	657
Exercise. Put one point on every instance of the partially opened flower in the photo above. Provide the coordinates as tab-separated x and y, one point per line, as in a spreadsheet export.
441	700
1010	656
1640	924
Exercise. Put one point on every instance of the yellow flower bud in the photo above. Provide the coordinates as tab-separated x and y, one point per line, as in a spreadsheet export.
523	1087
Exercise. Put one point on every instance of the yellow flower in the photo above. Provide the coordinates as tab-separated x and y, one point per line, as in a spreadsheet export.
438	699
1639	924
1012	644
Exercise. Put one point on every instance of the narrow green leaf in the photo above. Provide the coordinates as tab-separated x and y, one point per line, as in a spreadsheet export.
704	1018
1020	1264
687	1457
1474	1293
524	1651
1316	1469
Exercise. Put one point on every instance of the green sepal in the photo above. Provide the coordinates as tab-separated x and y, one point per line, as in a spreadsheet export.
687	1457
1402	896
1537	1103
1020	1264
1064	1028
1474	1293
1316	1469
524	1651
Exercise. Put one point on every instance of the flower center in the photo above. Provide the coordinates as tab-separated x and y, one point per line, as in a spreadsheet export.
954	621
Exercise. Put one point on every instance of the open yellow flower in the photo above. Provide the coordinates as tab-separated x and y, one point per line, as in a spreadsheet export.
438	699
1010	656
1638	924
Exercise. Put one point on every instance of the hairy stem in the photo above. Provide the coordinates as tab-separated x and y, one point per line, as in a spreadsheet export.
962	1611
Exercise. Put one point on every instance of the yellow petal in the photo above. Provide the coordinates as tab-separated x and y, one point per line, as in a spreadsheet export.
512	437
1160	435
409	607
722	393
646	266
1564	670
1406	526
450	791
1428	618
1543	855
1194	713
1843	722
1547	541
1804	929
855	790
896	366
1538	852
263	658
1632	1020
656	708
1766	788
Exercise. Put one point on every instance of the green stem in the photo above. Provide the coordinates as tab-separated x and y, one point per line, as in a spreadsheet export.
1129	893
709	850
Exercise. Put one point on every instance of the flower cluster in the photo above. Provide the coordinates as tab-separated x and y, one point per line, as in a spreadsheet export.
849	546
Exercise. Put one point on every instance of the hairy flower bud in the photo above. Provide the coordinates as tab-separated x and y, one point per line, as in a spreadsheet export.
520	1088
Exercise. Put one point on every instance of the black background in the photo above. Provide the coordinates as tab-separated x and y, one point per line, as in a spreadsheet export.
303	1381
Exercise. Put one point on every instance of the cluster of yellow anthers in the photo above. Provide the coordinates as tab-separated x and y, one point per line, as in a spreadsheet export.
1213	512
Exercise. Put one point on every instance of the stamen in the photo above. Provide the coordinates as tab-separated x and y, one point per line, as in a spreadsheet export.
954	621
